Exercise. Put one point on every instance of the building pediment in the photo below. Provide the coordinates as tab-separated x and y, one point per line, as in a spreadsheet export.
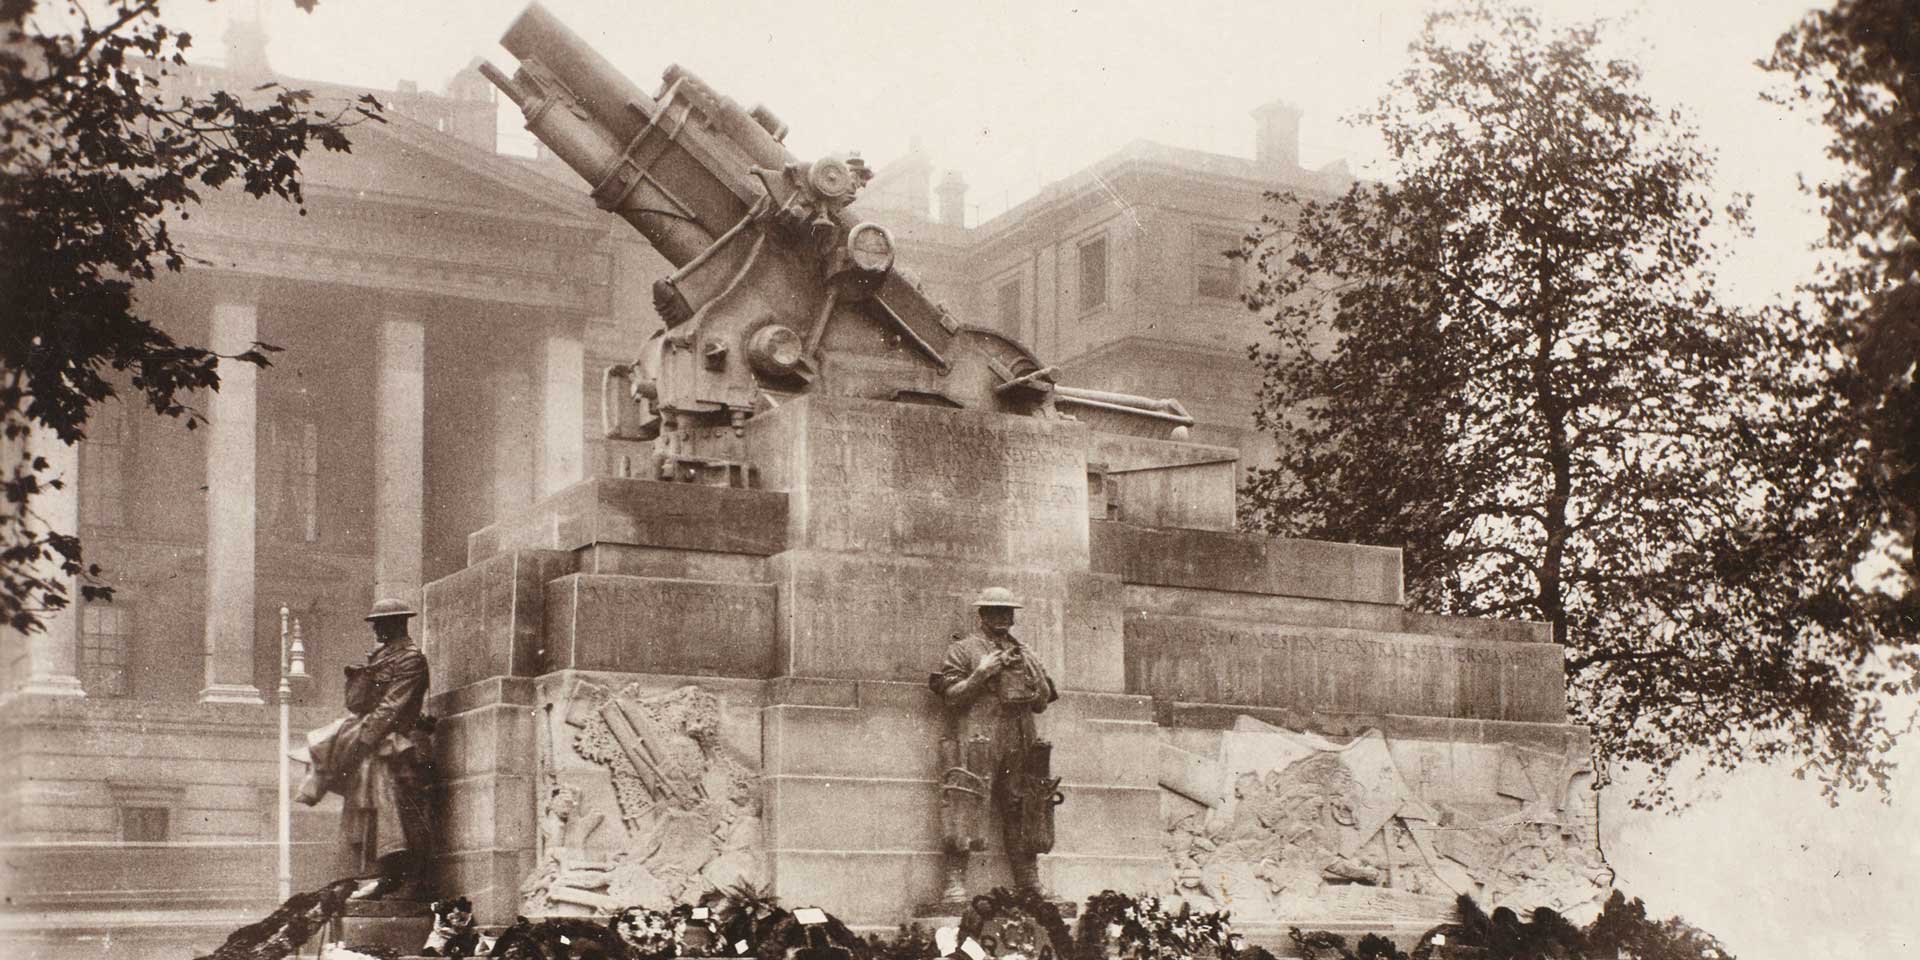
406	162
412	210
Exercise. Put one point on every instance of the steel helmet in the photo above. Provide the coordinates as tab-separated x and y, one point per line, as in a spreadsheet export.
998	597
390	607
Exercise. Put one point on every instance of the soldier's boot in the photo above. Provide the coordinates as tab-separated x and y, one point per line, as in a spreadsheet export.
402	877
953	886
1026	872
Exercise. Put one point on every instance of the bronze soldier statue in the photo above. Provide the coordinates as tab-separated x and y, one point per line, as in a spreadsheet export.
380	760
993	686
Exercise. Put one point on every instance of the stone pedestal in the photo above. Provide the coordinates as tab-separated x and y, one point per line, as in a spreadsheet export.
649	689
398	925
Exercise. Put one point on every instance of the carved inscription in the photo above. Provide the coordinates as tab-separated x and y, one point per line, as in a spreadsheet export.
1206	661
849	615
936	483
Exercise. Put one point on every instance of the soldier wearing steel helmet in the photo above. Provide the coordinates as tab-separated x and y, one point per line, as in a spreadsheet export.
380	760
993	686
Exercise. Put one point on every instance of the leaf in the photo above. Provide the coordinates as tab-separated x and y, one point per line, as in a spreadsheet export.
1511	361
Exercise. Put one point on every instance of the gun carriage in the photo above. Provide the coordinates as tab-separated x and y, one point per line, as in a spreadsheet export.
780	285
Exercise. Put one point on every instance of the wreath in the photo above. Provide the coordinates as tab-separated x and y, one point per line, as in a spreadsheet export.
1017	923
1139	928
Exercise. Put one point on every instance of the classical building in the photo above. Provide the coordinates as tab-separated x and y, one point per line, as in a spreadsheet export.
1118	273
442	313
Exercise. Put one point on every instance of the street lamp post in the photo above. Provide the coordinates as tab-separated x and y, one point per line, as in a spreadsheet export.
293	666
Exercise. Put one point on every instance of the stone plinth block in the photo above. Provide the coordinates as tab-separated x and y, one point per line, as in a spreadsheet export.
1306	611
489	771
1169	483
1343	671
398	925
907	480
878	617
1247	563
852	815
653	625
671	563
837	729
648	513
487	620
1091	653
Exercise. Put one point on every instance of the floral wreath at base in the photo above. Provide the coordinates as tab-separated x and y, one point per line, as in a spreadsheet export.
1142	929
1028	905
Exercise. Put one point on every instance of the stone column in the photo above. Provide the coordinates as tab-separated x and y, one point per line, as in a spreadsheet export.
1045	338
514	443
562	411
232	417
399	449
53	654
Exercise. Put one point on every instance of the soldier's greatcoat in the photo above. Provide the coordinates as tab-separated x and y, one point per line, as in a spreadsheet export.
382	759
1001	711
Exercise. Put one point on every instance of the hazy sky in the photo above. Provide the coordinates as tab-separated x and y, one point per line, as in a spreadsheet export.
1014	95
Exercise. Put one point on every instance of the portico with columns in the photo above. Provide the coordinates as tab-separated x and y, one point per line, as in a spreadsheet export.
430	308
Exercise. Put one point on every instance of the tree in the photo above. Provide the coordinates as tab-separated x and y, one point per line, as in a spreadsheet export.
1622	929
1859	65
1511	361
98	154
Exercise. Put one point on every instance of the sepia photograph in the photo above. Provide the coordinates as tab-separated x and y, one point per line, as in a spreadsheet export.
1050	480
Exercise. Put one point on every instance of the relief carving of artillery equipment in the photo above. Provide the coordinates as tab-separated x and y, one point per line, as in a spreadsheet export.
780	286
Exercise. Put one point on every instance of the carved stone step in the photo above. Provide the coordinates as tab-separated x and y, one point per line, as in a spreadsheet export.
399	925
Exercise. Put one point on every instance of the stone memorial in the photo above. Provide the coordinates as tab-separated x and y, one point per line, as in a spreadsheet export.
718	672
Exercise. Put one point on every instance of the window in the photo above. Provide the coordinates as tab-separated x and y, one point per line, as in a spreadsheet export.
290	479
1093	274
104	632
1216	275
103	467
1009	303
143	824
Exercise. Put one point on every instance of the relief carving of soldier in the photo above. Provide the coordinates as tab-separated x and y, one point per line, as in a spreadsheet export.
994	686
379	758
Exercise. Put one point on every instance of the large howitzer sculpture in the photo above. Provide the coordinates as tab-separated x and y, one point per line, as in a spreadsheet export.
779	286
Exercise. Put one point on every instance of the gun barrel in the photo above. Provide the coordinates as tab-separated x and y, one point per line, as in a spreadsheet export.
505	83
601	89
680	169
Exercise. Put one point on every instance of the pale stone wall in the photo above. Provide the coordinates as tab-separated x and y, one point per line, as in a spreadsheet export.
806	615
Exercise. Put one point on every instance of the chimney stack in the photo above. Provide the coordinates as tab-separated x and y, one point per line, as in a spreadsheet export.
1276	136
471	112
953	199
246	42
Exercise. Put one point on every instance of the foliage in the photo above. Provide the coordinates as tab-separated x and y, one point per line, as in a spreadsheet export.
1142	928
559	938
1859	65
909	942
1511	361
99	153
290	925
1623	929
